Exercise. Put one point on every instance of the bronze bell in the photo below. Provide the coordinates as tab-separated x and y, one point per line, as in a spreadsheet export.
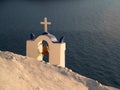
45	50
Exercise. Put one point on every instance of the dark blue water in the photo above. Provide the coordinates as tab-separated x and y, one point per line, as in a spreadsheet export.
91	29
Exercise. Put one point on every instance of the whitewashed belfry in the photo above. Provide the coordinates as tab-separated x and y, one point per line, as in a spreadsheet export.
55	49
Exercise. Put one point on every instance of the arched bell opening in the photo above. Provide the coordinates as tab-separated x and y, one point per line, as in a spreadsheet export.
45	51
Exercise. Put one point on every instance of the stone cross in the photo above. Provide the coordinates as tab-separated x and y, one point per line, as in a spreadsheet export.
45	23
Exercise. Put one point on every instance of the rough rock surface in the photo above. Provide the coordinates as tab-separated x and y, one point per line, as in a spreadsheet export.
19	72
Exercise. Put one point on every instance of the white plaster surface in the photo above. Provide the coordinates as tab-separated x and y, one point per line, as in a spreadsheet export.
34	49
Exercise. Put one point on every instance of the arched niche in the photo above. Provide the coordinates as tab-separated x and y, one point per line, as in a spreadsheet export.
43	48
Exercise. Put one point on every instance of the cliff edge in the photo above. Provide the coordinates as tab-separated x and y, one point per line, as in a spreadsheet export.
19	72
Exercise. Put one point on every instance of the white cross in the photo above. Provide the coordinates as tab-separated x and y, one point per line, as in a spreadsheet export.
45	23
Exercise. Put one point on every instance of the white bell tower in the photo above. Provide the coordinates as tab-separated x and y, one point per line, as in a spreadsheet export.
55	49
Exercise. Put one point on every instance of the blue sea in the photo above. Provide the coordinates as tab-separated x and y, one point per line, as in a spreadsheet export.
91	29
